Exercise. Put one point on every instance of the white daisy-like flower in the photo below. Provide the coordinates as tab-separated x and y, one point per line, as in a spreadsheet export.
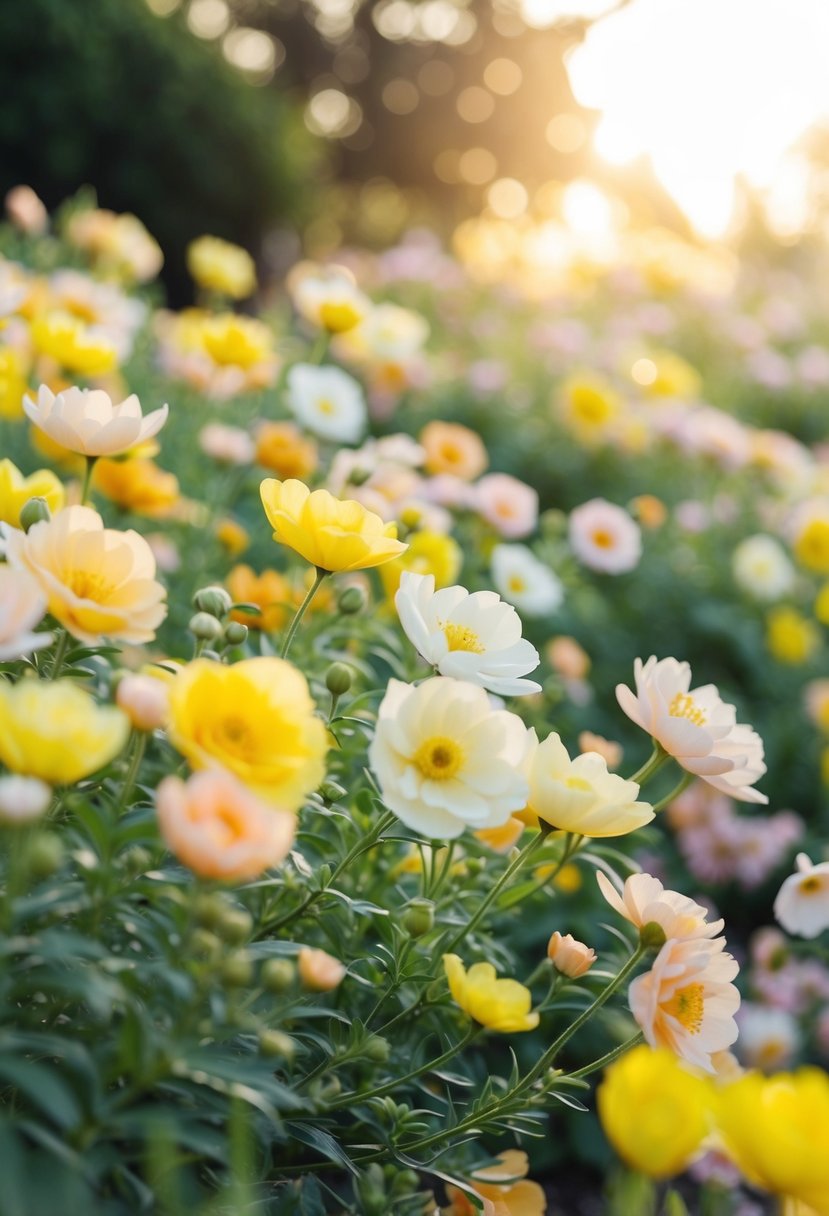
762	568
526	582
802	903
695	726
446	760
327	401
89	422
474	637
687	1002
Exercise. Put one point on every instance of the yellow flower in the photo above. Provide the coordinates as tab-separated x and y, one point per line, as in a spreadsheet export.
72	344
589	406
137	485
12	384
270	590
811	545
665	374
236	341
428	553
256	719
790	637
502	1005
776	1129
672	1111
221	266
283	449
232	535
57	732
822	605
15	490
332	534
99	582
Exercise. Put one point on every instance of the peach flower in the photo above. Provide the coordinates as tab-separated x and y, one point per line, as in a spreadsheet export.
643	901
454	450
318	970
219	829
504	1189
282	448
604	537
572	958
145	700
22	606
510	506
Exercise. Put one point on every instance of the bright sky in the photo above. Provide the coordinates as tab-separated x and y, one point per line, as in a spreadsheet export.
708	88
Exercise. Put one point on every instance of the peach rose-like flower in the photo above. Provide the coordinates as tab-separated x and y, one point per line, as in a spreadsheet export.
88	421
643	900
572	958
319	970
22	606
219	829
99	582
695	726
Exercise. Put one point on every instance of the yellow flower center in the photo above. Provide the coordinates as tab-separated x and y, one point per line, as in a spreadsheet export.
684	706
461	637
687	1006
577	783
235	735
326	406
516	583
90	585
810	885
438	758
603	539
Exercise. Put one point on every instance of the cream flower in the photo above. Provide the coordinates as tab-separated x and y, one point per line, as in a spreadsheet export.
330	299
581	795
762	569
446	760
89	422
473	637
23	799
525	581
509	505
604	537
802	903
687	1002
327	401
644	901
696	727
22	606
99	582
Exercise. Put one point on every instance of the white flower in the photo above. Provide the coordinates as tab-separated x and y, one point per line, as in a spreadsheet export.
23	798
327	401
445	760
762	568
604	537
473	637
22	606
769	1038
696	727
89	422
686	1002
525	581
581	795
802	903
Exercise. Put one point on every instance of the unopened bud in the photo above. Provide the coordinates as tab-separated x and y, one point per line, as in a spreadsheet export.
236	633
34	511
136	860
205	626
338	679
352	600
45	854
237	970
145	700
377	1049
330	791
214	600
275	1043
318	970
206	945
419	917
652	936
277	974
568	956
235	925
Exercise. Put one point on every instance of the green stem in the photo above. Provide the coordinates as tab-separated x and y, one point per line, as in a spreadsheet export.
60	655
654	762
572	845
87	478
607	1058
138	748
362	846
495	890
320	347
390	1086
302	609
681	785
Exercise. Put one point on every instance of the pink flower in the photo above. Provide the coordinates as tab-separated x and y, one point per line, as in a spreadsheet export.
508	504
604	537
229	444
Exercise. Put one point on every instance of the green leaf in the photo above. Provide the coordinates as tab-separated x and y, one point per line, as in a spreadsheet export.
324	1143
43	1089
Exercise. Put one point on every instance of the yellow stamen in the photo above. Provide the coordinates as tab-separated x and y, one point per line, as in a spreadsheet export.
687	1006
438	758
810	885
461	637
684	706
603	539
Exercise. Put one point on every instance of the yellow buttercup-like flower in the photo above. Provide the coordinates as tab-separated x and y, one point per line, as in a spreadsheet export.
16	490
256	719
12	384
673	1111
332	534
138	485
57	732
589	406
218	265
776	1129
72	344
790	636
236	341
503	1005
432	553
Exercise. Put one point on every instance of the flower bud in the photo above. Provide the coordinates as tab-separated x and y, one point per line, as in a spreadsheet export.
277	974
205	626
136	860
351	601
377	1049
237	970
213	600
338	679
45	854
34	511
330	791
209	908
235	925
275	1043
236	633
568	956
318	970
419	917
652	936
145	700
206	945
23	799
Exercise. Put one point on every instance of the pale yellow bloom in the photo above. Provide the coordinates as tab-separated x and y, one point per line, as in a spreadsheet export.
22	606
99	582
90	422
332	534
256	719
428	552
502	1005
56	732
218	265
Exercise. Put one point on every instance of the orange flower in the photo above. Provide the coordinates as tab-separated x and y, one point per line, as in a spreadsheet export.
318	970
572	958
270	590
504	1189
232	535
568	658
138	485
502	839
452	448
649	510
282	448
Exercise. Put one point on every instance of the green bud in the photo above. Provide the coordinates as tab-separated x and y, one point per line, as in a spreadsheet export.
34	511
419	917
338	679
330	791
237	970
45	854
209	908
235	925
652	936
203	625
275	1043
277	974
136	860
475	865
553	523
377	1049
351	601
206	945
236	633
332	1088
213	600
